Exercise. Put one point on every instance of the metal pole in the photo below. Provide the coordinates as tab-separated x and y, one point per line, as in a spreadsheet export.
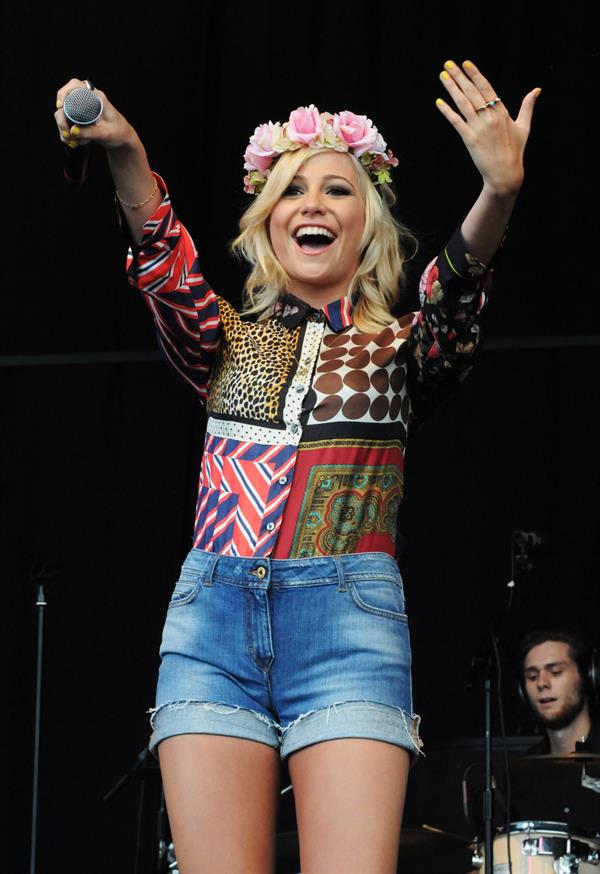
488	797
40	604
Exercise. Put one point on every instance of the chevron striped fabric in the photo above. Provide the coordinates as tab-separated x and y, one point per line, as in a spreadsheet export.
307	416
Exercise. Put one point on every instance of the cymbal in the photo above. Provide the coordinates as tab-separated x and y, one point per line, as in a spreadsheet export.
573	763
429	837
425	838
571	757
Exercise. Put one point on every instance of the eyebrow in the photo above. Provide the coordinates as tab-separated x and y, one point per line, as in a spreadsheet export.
326	178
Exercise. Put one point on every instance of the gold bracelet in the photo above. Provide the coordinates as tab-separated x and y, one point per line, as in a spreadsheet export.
144	202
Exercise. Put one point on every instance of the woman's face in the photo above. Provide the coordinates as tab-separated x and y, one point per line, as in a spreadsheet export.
316	226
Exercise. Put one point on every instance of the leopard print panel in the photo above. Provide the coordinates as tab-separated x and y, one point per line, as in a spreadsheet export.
252	366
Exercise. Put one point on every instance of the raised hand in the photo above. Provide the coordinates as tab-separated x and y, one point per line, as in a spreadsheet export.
137	189
494	140
111	131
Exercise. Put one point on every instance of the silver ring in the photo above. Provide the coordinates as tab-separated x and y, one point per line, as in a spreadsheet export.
88	84
489	104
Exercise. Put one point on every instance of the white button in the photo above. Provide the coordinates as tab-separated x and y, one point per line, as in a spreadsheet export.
270	526
299	387
282	480
294	428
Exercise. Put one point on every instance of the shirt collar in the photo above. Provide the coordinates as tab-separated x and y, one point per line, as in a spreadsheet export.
291	311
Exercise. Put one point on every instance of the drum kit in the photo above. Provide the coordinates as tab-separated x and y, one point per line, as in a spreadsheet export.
540	846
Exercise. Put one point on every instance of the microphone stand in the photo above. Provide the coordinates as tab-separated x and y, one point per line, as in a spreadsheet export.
522	543
41	604
482	664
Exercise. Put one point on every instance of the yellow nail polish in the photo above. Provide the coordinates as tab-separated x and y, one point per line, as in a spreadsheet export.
467	64
75	131
64	133
58	104
449	65
439	102
72	145
445	75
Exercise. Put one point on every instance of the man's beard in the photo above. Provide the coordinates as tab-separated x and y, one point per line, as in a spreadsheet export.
569	713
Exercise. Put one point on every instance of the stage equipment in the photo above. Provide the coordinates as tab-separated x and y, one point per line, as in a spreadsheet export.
540	847
41	604
82	107
482	665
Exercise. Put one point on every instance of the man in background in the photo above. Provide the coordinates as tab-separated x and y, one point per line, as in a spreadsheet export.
559	681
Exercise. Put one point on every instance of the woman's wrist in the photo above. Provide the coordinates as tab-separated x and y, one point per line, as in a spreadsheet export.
505	193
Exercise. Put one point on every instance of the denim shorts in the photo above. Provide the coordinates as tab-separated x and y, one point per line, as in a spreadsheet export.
287	652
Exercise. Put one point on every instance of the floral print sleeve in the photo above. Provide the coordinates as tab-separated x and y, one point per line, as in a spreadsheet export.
445	333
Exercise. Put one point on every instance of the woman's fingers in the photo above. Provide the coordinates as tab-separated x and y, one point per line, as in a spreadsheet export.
70	134
479	81
470	90
464	92
523	119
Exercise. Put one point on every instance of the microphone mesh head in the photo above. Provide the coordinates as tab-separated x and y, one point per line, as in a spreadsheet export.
82	106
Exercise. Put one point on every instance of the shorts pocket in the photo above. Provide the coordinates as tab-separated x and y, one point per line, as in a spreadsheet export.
381	595
186	589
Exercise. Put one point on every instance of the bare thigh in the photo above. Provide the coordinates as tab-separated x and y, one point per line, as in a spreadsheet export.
221	795
349	795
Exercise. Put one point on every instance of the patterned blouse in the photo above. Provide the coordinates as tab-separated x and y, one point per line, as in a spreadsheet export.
307	416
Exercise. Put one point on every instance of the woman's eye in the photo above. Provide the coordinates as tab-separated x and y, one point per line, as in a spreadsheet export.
338	190
291	190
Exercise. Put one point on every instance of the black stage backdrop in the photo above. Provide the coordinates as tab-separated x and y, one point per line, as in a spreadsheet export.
100	457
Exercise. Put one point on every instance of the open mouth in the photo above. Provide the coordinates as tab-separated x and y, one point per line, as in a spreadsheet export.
545	701
314	239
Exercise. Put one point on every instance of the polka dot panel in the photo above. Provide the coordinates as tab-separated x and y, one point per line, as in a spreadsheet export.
362	379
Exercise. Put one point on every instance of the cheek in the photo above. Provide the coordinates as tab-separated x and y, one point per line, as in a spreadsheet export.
277	237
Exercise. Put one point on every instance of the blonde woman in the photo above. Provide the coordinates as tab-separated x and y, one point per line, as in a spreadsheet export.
286	634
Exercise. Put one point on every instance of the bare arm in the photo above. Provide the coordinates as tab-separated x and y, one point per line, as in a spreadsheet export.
134	182
496	144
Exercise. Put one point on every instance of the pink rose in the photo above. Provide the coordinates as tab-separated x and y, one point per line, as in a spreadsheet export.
260	151
304	125
358	132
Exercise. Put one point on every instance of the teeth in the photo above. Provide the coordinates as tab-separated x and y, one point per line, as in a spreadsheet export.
302	232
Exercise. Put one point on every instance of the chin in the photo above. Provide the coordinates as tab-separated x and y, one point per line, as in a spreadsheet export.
563	718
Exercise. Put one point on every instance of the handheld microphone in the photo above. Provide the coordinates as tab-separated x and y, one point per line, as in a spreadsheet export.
82	106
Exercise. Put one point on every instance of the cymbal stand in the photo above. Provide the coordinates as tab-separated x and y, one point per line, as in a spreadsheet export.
523	543
41	604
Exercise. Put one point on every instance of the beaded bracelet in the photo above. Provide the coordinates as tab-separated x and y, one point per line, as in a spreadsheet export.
144	202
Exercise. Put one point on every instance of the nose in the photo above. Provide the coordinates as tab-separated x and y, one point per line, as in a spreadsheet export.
542	680
313	202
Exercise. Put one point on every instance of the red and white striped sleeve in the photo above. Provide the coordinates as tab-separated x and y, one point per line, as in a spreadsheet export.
164	267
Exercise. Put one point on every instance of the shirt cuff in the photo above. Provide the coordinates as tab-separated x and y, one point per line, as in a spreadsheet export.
461	263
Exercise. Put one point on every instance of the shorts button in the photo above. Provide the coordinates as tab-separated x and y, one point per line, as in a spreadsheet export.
261	572
270	526
282	480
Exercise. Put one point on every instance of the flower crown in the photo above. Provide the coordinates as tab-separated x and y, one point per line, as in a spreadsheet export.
306	126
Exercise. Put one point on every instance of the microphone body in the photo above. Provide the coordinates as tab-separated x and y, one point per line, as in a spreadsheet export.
82	107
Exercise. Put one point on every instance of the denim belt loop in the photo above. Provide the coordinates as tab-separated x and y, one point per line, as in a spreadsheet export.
340	572
212	563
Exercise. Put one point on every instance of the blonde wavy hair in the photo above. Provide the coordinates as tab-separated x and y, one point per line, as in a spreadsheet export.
381	268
